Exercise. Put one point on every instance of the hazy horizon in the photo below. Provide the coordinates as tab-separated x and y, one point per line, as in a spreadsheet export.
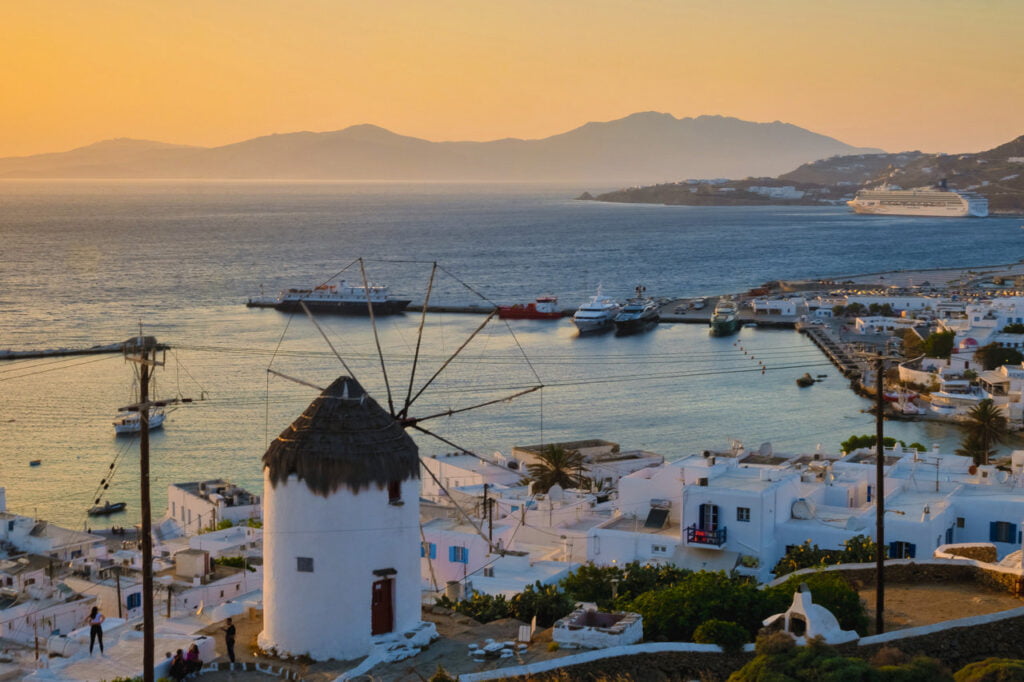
932	76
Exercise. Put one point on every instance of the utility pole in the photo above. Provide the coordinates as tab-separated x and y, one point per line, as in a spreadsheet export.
879	503
117	578
142	350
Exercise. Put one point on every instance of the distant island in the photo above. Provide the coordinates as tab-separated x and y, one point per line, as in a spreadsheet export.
642	148
996	174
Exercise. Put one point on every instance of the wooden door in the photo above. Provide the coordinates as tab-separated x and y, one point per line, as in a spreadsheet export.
382	613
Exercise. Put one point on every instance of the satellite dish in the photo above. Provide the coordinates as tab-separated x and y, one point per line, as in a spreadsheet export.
1003	476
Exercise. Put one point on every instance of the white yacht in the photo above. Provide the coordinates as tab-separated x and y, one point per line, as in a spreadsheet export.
130	422
597	314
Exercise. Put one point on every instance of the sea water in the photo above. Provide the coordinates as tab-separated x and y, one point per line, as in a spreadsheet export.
87	263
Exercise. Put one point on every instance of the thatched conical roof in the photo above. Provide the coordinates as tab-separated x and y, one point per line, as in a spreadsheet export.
344	438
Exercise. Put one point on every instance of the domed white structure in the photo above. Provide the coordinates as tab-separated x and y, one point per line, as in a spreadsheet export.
340	528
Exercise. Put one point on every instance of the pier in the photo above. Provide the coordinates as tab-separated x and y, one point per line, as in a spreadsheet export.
833	349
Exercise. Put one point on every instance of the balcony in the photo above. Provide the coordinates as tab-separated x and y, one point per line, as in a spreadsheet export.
706	538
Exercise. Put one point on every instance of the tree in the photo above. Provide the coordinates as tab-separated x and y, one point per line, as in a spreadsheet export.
939	344
986	426
913	344
993	355
991	670
556	465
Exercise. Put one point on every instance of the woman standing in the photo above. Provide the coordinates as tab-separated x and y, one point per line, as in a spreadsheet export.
96	628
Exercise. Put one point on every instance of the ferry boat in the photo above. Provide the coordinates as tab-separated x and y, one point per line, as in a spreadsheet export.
725	320
596	314
921	201
639	314
340	298
544	308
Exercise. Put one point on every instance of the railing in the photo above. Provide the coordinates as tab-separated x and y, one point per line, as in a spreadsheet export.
702	536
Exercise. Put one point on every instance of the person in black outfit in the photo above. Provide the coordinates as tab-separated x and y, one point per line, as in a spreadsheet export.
178	670
229	639
95	629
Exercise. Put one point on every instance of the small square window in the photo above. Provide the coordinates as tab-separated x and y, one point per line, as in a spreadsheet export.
959	522
743	514
305	564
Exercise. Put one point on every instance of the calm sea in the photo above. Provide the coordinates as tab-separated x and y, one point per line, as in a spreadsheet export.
86	263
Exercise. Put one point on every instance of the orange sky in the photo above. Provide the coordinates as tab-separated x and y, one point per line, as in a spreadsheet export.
933	75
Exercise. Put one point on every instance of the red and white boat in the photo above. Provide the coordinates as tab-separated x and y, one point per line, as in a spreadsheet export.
898	396
544	308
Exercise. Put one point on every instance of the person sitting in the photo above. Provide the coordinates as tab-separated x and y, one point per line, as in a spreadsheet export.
178	670
192	661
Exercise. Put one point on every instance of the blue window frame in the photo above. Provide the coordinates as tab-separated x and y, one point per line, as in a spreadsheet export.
1002	531
458	554
428	549
902	550
134	600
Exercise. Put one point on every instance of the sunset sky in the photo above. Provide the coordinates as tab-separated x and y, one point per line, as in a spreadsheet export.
934	75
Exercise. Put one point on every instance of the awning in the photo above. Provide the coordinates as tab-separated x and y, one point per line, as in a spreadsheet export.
700	559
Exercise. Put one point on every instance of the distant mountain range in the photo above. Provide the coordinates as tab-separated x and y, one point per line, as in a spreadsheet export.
997	174
641	148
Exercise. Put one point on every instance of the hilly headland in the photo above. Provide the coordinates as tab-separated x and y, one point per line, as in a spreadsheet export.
997	174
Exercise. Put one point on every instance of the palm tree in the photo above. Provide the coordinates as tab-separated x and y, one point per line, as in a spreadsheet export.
554	465
986	426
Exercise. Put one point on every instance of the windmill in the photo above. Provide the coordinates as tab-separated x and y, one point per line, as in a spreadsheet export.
341	538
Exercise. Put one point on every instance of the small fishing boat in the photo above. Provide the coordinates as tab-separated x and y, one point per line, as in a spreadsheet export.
106	508
805	380
35	462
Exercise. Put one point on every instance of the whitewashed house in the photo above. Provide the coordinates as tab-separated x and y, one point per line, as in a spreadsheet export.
341	529
201	505
742	511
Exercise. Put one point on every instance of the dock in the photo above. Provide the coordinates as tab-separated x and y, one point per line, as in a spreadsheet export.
834	350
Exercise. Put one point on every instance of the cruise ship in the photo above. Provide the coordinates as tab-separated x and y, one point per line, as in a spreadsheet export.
921	201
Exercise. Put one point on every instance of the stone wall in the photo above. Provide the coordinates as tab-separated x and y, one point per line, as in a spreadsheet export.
978	551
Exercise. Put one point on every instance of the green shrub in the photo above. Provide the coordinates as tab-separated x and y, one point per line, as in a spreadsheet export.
235	562
546	602
675	612
921	669
726	634
992	670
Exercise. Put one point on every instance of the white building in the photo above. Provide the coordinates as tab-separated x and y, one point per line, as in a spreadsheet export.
791	306
743	511
341	529
201	505
984	322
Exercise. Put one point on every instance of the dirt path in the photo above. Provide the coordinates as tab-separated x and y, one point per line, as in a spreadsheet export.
908	606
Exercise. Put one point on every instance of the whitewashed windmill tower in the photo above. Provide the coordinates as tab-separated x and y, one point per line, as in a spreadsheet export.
341	528
341	534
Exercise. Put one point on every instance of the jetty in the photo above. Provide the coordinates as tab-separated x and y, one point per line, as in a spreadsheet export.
834	350
119	347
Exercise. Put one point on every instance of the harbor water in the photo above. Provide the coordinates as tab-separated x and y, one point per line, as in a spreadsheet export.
87	263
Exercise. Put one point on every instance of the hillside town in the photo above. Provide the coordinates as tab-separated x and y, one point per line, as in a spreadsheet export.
416	537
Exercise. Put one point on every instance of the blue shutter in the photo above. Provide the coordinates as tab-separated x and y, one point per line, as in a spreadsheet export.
993	531
134	600
433	550
465	555
911	550
423	552
451	554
